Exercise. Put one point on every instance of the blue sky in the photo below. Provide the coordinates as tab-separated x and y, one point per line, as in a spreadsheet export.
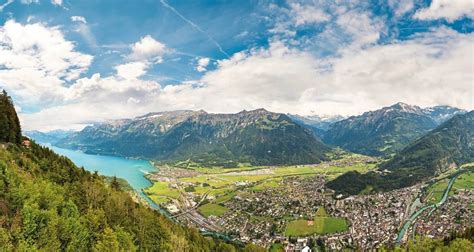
113	59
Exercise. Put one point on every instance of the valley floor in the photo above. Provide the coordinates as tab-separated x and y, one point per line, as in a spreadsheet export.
292	207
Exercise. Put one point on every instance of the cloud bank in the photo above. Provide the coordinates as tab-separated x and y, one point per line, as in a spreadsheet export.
41	68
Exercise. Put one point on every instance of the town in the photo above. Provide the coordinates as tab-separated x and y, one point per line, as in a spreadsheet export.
262	206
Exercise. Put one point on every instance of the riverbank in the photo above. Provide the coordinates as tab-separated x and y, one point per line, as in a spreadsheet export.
402	234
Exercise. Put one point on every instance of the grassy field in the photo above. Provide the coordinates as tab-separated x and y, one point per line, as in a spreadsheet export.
465	181
161	192
270	183
224	198
277	247
321	212
212	209
218	182
322	224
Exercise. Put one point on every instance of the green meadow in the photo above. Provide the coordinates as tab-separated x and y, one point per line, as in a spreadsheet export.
321	224
212	209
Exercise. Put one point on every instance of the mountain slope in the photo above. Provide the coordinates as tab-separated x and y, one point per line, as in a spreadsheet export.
140	137
258	137
449	145
51	137
49	204
319	125
441	114
387	130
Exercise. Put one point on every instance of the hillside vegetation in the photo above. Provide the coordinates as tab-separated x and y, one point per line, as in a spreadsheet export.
49	204
10	130
388	130
449	145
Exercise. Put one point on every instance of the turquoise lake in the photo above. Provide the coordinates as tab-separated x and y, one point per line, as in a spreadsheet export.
132	170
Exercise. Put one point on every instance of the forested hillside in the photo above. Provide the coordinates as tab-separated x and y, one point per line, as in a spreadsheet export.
10	130
49	204
388	130
449	145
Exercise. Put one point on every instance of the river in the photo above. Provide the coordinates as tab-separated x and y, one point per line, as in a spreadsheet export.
433	207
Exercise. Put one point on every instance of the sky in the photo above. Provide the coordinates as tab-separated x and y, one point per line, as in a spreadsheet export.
68	64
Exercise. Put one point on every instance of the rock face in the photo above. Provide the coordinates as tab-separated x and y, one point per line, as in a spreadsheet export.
388	130
257	137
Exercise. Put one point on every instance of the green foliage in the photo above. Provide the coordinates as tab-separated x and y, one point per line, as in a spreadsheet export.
381	132
450	143
425	244
212	209
189	189
48	204
253	248
447	145
10	130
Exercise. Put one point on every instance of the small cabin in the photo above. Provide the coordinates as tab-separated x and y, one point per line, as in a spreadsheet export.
26	143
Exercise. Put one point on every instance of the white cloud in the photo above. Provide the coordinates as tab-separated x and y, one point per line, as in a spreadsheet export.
451	10
401	6
36	61
362	28
308	14
57	2
29	1
148	49
429	69
79	19
83	29
40	66
202	64
339	24
96	99
131	70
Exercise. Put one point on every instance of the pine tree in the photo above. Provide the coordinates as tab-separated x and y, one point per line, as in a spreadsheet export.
115	184
10	130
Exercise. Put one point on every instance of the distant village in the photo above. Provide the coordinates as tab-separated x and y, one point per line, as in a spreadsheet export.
261	216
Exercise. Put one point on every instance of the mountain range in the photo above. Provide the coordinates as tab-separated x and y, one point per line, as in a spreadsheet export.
258	137
448	146
388	130
51	137
318	124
